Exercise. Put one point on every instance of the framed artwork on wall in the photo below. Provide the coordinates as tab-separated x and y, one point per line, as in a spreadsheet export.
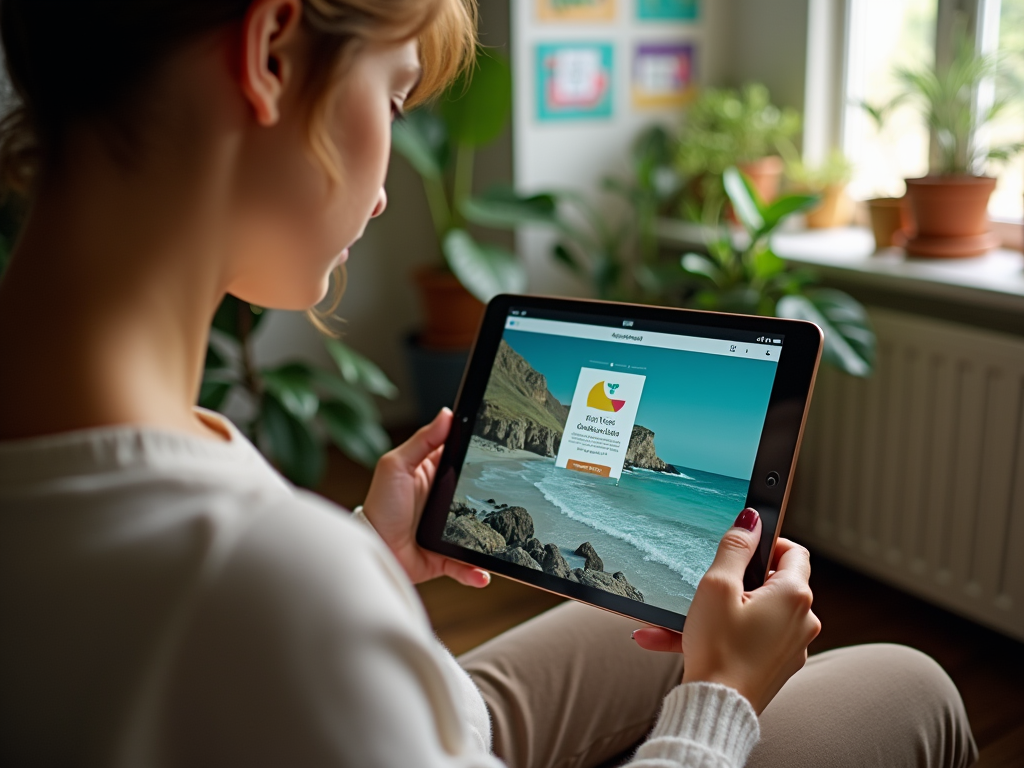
576	10
663	74
668	10
574	80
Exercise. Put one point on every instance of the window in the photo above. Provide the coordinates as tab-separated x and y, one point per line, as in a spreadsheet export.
884	34
1008	200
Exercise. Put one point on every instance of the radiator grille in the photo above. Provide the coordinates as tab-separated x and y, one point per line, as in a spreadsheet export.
916	475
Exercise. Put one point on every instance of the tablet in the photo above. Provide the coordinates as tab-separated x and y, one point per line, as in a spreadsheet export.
600	450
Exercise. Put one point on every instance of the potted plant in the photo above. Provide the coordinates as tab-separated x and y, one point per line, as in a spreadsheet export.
828	181
889	214
950	204
742	128
294	409
743	274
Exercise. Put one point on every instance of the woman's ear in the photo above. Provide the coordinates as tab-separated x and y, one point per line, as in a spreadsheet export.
267	65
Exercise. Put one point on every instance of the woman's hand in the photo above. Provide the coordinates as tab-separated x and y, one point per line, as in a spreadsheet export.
751	641
395	502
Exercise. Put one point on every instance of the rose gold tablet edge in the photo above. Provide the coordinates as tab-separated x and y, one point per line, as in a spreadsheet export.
796	453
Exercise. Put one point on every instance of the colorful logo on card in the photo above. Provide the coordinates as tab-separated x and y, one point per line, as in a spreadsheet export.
602	397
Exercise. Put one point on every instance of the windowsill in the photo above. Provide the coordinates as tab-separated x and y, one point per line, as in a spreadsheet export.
995	280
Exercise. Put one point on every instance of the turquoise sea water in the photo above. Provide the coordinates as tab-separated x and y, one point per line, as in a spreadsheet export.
661	530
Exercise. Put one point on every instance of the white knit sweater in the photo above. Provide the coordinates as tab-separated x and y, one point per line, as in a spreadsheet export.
170	601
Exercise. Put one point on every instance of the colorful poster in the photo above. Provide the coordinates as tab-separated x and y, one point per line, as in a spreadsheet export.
673	10
663	74
576	10
574	80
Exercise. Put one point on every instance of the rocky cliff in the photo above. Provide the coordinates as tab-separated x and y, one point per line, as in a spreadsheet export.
517	432
507	533
518	411
641	452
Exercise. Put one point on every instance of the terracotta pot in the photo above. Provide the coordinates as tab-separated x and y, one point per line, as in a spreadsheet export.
451	314
833	211
765	175
951	213
890	218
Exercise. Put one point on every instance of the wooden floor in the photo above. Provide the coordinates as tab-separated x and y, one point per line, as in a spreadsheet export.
987	667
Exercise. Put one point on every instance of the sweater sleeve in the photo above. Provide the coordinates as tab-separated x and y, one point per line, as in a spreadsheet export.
701	725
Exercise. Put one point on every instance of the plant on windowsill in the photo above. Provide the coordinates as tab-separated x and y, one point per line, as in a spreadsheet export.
294	410
829	180
440	142
724	128
950	205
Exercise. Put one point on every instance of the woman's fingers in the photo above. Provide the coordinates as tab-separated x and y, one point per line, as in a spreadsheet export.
658	639
427	439
791	560
466	574
735	549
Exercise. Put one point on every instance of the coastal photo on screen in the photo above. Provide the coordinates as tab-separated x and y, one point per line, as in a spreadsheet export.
610	457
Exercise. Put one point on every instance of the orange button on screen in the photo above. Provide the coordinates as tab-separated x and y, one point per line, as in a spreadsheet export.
591	469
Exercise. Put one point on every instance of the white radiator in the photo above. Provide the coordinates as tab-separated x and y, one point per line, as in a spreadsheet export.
916	475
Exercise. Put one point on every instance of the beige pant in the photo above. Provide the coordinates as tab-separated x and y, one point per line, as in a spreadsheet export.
570	688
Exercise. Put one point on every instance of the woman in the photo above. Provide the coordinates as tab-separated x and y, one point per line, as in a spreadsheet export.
167	599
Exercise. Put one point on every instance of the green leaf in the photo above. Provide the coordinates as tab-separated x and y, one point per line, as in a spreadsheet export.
776	211
477	105
214	359
334	388
422	139
744	200
503	207
849	340
212	394
766	264
564	256
360	371
485	270
290	443
696	264
360	438
233	313
292	386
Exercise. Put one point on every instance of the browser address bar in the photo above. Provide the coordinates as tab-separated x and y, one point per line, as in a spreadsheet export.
636	338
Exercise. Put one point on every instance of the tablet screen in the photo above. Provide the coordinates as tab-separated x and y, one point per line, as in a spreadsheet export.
614	453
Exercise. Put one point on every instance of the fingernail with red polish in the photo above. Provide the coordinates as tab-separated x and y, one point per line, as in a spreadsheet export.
747	519
632	635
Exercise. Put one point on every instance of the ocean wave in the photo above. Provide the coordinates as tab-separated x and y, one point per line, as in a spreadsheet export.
657	473
684	552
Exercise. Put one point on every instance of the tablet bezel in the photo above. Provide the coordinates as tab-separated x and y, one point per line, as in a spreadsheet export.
776	452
